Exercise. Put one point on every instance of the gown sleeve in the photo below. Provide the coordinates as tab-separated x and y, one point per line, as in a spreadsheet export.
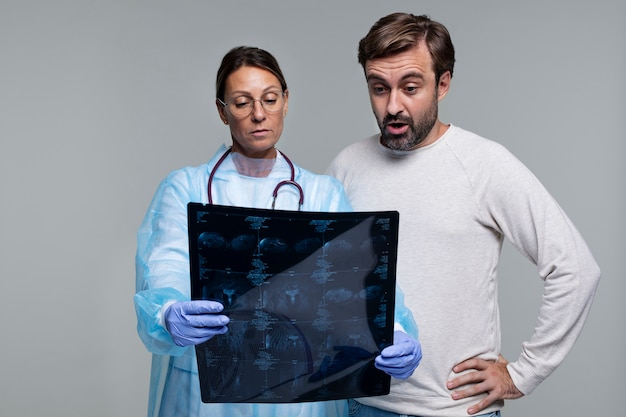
162	265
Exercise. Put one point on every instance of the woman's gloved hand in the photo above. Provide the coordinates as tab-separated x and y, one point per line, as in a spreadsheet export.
400	359
195	322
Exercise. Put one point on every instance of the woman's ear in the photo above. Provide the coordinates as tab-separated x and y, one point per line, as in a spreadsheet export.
221	110
285	108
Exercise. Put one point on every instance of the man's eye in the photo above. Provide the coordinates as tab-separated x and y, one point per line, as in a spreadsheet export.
378	90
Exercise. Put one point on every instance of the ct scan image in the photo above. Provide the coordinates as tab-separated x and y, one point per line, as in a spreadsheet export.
310	297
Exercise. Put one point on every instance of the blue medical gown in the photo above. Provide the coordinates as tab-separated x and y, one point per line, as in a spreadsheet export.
162	277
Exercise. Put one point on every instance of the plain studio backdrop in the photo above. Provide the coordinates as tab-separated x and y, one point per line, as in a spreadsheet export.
99	100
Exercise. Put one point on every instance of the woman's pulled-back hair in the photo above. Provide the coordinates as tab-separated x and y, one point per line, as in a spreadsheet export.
242	56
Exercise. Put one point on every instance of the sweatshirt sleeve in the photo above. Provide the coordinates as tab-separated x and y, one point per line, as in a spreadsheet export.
519	207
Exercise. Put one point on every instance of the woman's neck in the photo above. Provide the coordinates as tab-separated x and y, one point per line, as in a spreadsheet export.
253	167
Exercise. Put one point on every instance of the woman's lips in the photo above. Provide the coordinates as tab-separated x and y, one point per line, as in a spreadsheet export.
260	132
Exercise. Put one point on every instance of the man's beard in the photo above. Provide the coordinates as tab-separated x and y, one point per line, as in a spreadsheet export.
416	133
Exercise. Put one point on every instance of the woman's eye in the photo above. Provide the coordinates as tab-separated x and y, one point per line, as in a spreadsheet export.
241	103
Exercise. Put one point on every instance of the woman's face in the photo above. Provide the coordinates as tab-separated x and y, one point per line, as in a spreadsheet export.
255	134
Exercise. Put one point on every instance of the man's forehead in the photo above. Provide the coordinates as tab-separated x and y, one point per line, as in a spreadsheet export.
413	62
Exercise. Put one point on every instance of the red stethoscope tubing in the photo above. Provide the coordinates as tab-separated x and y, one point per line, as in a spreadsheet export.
291	181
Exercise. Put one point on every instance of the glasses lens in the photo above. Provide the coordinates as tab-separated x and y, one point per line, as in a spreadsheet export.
242	106
272	101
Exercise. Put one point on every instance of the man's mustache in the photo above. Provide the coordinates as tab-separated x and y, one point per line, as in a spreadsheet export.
396	119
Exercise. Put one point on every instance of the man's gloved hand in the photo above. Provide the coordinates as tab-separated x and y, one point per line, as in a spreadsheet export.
400	359
195	322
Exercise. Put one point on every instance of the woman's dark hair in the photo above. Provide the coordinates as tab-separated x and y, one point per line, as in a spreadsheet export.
246	56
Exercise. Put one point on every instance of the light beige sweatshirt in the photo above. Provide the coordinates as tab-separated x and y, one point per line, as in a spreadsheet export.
458	199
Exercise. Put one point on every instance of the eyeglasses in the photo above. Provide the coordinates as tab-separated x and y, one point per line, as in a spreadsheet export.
242	106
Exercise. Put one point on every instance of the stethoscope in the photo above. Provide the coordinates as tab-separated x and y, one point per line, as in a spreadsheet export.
291	181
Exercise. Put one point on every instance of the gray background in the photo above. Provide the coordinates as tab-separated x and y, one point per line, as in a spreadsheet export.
100	100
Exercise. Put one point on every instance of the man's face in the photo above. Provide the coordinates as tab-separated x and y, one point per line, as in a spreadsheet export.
405	98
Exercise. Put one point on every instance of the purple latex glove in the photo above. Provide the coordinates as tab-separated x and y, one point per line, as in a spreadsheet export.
195	322
400	359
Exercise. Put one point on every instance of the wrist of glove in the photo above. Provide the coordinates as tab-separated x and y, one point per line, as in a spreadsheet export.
400	359
194	322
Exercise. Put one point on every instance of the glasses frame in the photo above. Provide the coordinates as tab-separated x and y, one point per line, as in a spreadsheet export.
260	100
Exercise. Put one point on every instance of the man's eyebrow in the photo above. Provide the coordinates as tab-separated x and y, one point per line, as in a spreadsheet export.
374	77
413	74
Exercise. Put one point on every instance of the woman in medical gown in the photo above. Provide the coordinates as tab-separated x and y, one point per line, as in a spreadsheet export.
252	99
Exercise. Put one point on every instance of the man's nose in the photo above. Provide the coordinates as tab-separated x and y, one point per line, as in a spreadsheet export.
395	105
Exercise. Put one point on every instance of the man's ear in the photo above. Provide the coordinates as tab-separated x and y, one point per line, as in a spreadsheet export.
444	85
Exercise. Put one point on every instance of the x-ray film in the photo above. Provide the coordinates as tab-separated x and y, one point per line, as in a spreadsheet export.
310	297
